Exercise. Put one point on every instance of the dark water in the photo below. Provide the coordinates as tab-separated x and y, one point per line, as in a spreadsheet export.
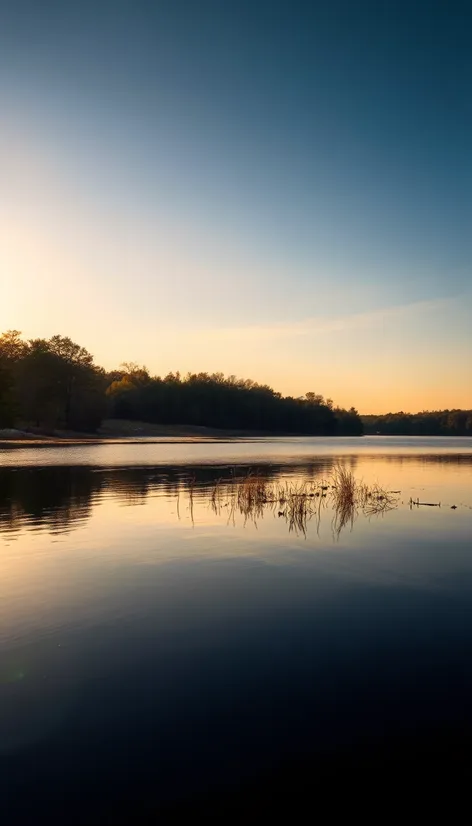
163	653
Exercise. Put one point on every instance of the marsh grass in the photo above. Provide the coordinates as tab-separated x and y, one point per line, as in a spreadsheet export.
191	491
298	503
351	497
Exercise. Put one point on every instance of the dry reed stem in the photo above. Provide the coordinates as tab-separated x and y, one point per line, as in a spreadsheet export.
298	502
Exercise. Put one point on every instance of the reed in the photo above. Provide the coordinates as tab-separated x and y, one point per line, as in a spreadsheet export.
298	502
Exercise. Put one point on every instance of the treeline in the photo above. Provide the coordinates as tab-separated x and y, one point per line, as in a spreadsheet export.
225	402
51	383
427	423
54	383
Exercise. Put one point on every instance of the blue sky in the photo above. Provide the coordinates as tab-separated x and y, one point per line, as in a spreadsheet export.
277	190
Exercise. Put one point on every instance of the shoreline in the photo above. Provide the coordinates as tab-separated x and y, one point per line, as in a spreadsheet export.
15	444
127	432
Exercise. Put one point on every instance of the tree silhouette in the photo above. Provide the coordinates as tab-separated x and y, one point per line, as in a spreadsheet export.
54	383
426	423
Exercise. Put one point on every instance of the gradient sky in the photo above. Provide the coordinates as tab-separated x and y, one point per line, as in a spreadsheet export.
281	190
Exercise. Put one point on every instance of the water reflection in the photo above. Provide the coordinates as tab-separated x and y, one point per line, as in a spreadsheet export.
58	498
54	498
61	498
152	648
300	502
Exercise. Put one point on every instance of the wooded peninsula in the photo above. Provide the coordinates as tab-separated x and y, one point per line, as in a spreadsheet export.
54	384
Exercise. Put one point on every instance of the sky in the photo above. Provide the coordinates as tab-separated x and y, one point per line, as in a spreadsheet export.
276	190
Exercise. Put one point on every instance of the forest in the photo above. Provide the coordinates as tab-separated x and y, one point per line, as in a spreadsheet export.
427	423
54	384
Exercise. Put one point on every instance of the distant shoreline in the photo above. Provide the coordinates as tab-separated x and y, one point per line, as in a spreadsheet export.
117	431
60	441
184	437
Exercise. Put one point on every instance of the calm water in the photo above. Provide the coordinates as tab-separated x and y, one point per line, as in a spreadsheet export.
159	645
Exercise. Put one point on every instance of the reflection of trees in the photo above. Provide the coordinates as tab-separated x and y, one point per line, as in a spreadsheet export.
462	459
60	498
53	497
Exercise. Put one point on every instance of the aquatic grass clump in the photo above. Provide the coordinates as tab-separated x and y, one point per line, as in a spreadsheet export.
247	495
344	485
351	496
344	491
299	502
252	493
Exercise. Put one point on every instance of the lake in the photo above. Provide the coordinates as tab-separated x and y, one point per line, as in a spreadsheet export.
171	645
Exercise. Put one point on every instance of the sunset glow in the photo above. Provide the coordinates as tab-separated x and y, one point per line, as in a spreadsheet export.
186	209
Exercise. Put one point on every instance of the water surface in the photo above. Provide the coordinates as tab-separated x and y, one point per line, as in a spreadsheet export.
157	646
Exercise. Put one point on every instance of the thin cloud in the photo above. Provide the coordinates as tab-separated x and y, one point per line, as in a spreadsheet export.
316	326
